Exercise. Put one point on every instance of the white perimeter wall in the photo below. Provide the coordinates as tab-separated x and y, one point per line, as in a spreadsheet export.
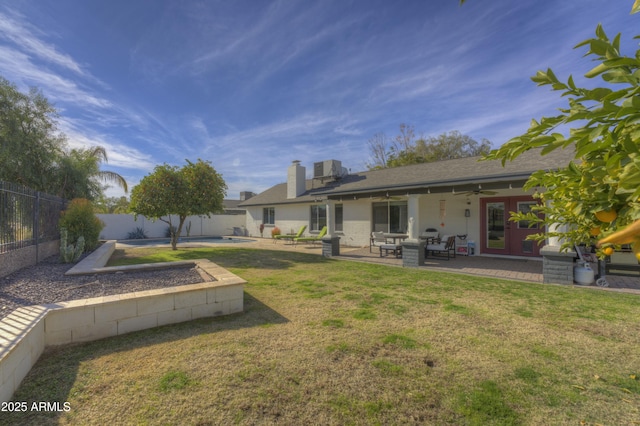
118	226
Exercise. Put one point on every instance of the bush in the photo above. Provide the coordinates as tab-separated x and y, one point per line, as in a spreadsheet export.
137	234
70	253
80	221
275	231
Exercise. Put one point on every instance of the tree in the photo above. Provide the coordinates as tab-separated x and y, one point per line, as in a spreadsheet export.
79	174
378	147
112	205
404	150
33	152
451	145
29	141
194	189
382	148
598	194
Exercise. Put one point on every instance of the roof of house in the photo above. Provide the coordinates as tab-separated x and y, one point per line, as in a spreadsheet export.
419	177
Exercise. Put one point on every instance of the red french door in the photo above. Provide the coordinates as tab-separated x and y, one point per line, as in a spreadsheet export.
501	236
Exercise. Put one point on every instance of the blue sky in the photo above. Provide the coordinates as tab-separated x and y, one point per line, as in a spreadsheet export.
253	85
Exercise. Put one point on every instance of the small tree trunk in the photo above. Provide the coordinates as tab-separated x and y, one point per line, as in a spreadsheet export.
175	235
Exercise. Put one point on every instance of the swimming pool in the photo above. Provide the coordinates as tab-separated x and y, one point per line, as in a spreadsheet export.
156	241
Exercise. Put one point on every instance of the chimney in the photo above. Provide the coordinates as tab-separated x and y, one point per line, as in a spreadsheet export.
245	195
296	178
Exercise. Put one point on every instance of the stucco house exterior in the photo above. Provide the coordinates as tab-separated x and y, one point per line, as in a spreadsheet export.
465	197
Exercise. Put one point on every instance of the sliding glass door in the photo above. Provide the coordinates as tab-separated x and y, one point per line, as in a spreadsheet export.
390	216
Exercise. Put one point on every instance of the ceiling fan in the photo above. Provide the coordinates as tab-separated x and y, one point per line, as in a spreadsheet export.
476	192
387	197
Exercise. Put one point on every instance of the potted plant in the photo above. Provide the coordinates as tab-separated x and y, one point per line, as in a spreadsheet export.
275	231
261	229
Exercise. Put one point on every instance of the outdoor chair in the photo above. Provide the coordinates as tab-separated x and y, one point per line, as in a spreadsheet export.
290	237
396	249
377	239
430	235
311	240
446	246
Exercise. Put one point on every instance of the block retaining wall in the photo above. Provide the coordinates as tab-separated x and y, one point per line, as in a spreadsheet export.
27	256
557	265
412	254
26	332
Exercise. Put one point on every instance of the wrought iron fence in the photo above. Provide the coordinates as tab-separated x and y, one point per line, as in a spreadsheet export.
27	217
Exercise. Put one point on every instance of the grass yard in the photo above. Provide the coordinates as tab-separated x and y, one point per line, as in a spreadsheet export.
337	342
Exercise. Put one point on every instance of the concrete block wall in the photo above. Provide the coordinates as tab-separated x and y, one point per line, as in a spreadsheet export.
331	246
26	332
412	254
27	256
557	266
118	226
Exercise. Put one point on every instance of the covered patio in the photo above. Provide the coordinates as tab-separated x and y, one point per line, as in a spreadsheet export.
523	269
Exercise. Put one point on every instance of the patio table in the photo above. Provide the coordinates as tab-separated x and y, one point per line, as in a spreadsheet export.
395	236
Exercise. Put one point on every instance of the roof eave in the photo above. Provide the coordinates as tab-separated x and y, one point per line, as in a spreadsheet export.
435	184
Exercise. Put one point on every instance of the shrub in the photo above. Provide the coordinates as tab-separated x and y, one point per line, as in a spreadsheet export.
137	234
170	231
275	231
80	221
70	253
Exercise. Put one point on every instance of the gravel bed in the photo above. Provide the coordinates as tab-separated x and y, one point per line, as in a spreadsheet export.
46	283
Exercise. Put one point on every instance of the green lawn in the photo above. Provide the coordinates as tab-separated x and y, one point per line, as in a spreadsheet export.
337	342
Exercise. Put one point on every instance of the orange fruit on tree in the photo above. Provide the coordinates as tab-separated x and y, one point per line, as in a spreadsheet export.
608	251
595	231
606	215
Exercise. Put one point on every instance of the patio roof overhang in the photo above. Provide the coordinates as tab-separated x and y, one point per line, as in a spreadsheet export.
435	187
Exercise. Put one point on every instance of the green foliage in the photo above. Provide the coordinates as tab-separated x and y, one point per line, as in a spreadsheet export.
79	174
405	150
29	142
170	231
70	253
80	221
112	205
194	189
33	152
604	131
137	234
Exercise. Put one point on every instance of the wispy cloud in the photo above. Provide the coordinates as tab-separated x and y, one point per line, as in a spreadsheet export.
16	29
29	61
119	155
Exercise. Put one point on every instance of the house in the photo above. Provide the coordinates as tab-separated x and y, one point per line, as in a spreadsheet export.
232	206
464	197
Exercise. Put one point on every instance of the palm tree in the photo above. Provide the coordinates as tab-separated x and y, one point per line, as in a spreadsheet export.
79	174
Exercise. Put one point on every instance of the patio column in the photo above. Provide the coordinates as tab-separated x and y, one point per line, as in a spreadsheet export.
330	242
413	213
561	227
412	247
331	226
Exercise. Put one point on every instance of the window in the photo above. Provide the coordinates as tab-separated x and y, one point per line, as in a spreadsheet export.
318	217
390	217
525	207
269	215
338	218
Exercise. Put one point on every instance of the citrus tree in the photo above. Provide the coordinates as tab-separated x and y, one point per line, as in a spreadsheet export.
597	196
194	189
